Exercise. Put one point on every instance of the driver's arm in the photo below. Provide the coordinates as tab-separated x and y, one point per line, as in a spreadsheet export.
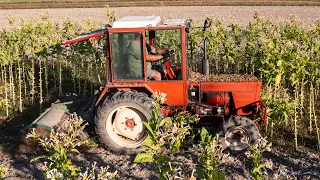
159	50
151	57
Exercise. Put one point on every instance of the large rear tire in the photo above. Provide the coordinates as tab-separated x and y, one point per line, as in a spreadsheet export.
118	122
239	133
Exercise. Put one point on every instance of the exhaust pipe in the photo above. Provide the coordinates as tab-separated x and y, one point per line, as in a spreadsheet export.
205	62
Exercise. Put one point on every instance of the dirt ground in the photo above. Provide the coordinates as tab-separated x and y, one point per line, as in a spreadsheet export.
285	162
241	14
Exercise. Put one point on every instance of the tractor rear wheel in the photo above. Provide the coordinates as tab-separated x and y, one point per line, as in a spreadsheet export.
118	122
239	133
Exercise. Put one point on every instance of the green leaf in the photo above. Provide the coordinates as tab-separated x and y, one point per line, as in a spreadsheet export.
278	80
221	176
164	120
148	141
176	146
164	158
75	151
155	115
143	157
203	134
149	129
202	174
39	157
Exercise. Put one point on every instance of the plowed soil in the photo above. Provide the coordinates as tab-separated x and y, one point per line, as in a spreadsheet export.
227	14
32	4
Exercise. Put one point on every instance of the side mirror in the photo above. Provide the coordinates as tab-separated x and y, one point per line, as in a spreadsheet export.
107	26
205	25
188	26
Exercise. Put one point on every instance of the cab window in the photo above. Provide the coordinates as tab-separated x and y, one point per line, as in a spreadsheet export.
127	56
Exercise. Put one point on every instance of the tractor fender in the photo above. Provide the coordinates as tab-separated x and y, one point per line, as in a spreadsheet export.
110	89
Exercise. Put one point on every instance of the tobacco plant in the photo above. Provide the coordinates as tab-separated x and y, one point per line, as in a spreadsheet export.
166	135
255	153
59	146
209	152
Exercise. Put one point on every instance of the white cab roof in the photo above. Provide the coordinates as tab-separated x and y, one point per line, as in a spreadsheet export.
136	21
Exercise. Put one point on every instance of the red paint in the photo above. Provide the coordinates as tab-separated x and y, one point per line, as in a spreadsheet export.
218	99
169	70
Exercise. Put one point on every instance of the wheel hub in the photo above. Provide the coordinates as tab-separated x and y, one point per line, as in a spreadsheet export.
237	137
129	123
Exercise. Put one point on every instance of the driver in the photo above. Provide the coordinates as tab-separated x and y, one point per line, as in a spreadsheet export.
153	54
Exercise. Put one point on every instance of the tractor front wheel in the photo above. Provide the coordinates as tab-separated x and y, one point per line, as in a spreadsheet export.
239	133
119	121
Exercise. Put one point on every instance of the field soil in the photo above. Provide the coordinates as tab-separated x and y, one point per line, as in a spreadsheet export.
283	162
227	14
32	4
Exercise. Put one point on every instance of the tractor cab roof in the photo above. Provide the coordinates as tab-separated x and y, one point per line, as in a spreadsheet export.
130	22
146	21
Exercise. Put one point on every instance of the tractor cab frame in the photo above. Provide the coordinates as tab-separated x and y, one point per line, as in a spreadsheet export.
121	34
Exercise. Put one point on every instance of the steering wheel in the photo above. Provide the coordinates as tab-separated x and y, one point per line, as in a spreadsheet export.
167	64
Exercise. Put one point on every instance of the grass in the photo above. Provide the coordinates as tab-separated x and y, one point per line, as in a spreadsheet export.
31	4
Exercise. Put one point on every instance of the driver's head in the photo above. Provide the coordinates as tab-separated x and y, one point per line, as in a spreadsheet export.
137	35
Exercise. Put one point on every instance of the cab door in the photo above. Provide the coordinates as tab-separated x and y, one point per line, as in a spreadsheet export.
176	89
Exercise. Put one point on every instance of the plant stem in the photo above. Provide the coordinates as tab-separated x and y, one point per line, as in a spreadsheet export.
12	86
60	74
315	118
310	107
40	85
20	88
6	90
296	116
32	81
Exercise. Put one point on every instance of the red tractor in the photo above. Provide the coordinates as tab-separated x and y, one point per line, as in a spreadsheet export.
126	100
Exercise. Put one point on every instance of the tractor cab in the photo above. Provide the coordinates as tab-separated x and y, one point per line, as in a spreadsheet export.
127	67
130	41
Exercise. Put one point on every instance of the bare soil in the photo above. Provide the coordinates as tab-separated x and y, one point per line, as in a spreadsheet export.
15	4
17	152
307	15
285	163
